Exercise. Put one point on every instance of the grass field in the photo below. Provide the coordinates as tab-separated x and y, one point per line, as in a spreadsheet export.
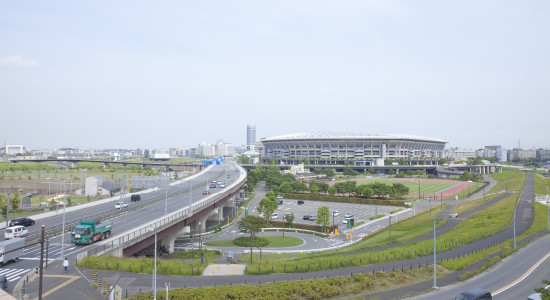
274	241
412	184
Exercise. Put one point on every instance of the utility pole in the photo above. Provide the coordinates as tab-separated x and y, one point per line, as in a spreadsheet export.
40	268
8	208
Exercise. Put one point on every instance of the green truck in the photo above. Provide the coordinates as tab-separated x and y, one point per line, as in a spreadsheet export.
87	232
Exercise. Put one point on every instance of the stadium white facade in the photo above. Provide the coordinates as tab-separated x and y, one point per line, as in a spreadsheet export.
351	146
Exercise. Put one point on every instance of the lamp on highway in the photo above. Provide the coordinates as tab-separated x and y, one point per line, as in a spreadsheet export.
153	229
63	224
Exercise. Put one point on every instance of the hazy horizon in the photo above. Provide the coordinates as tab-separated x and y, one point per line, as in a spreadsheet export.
131	74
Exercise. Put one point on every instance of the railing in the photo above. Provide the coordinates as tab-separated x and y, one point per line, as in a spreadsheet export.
160	224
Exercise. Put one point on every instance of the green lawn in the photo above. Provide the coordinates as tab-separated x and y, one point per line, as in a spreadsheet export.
274	241
412	184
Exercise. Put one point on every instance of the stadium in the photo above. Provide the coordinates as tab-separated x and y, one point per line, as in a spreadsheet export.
326	146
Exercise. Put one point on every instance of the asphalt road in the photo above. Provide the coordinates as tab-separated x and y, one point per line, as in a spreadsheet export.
125	222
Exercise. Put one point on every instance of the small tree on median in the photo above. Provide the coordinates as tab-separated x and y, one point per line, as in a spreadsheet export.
251	224
323	216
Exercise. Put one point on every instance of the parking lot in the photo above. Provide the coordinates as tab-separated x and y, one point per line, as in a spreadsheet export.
361	212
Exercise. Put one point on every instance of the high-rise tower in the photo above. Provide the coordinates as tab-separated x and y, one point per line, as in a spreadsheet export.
250	135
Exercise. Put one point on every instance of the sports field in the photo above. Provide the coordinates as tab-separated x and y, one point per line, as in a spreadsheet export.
428	187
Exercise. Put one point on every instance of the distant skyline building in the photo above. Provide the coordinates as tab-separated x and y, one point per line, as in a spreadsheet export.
250	135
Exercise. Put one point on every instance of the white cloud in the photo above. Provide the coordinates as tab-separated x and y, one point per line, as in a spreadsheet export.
17	61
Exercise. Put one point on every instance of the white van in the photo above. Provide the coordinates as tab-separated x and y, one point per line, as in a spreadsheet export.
15	231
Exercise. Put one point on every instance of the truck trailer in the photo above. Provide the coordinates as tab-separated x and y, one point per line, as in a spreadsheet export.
87	232
9	245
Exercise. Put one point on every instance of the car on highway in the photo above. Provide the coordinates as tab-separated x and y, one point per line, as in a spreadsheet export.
280	202
274	216
135	198
228	175
222	185
475	294
279	197
206	192
312	218
120	205
22	221
348	215
335	213
306	217
300	202
212	185
15	231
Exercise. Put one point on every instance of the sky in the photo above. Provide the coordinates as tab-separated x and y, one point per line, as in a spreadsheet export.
161	74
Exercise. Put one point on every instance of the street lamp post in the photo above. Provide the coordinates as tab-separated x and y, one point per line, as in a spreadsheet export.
8	208
548	208
155	266
63	226
435	250
166	196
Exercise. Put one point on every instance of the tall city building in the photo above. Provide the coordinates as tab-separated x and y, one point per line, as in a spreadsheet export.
250	135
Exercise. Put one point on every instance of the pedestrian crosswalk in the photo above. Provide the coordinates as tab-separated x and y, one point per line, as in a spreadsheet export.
13	274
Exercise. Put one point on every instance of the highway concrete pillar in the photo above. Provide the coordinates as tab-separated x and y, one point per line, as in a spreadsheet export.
104	165
74	165
168	241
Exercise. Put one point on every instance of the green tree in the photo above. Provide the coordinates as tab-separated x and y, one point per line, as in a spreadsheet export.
399	190
401	161
380	189
371	170
391	172
313	187
388	161
289	219
298	186
251	224
365	191
323	187
267	206
332	190
348	171
323	216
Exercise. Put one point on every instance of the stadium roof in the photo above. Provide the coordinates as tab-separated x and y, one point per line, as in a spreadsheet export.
332	135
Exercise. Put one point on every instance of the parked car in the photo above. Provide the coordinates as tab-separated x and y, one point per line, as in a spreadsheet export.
335	213
274	216
312	217
15	231
475	294
306	217
135	198
300	202
206	192
280	202
120	205
348	215
22	221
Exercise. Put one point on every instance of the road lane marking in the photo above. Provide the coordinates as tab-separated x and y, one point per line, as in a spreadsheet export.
522	277
69	277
